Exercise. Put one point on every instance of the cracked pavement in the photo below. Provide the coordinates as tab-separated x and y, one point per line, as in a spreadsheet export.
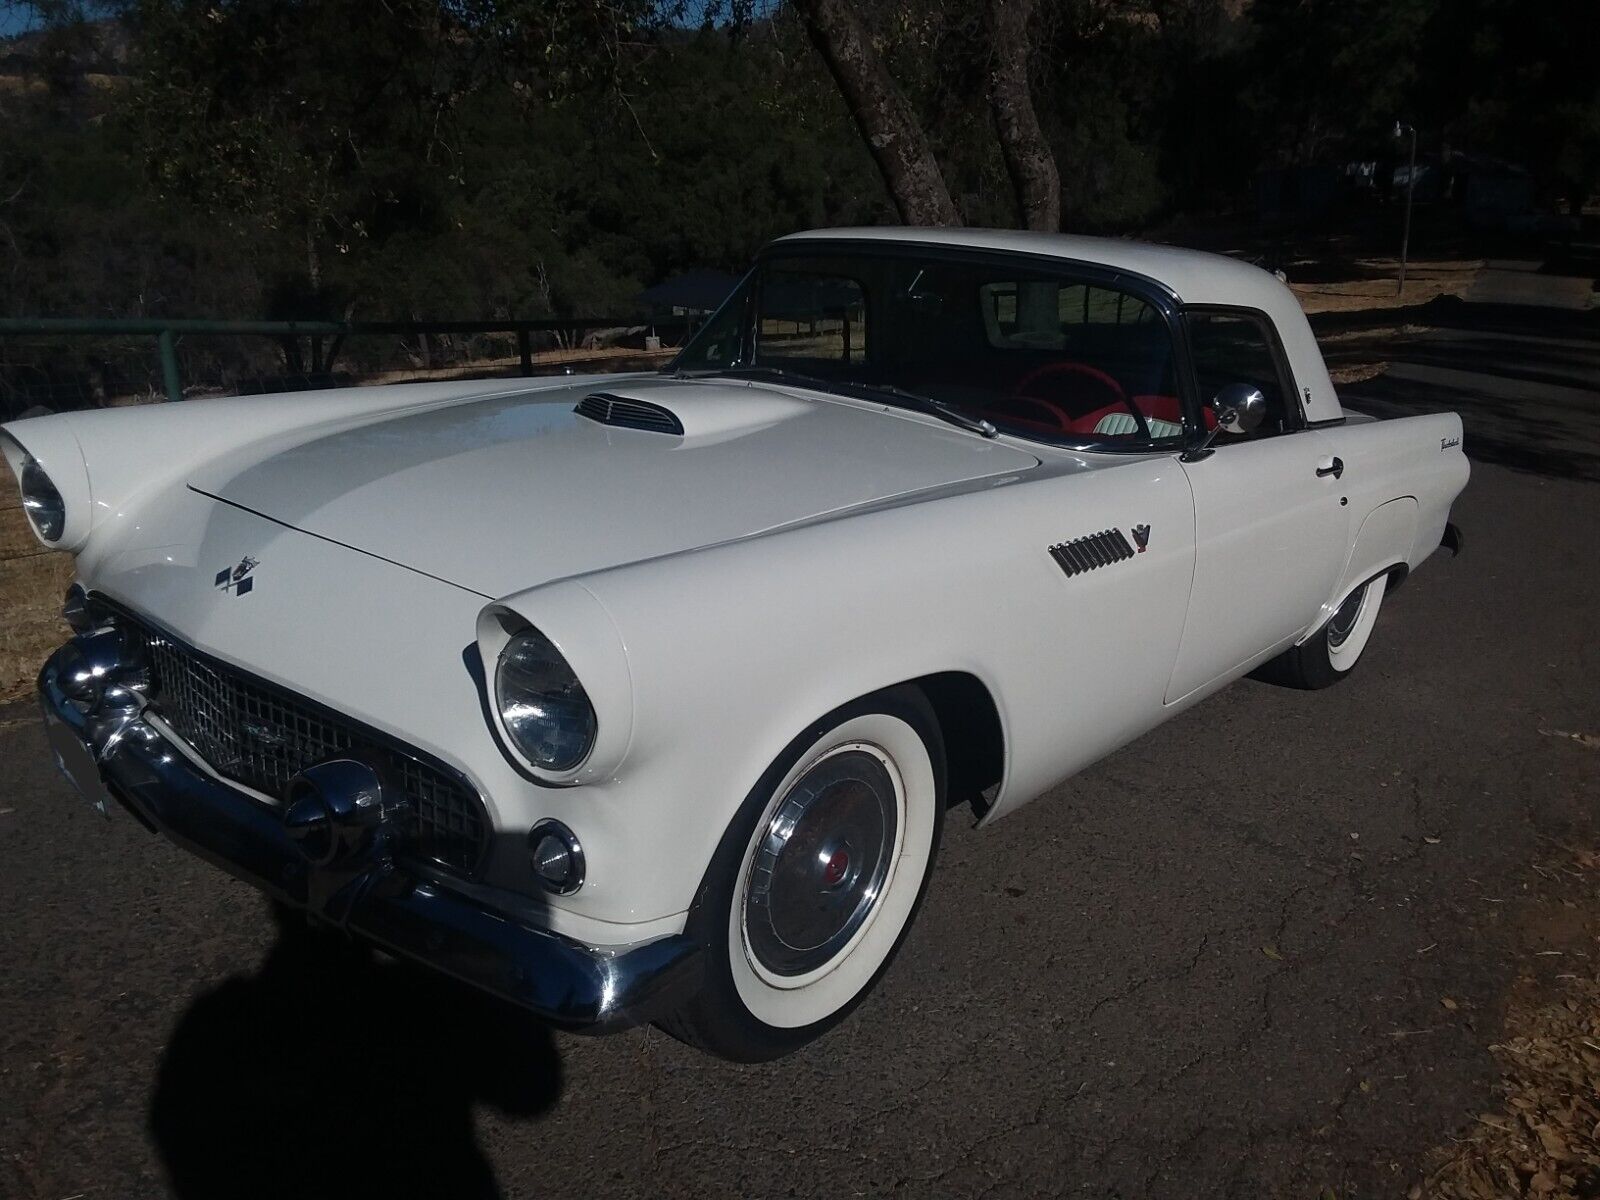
1211	965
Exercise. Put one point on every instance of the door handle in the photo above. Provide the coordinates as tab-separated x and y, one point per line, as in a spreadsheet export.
1331	466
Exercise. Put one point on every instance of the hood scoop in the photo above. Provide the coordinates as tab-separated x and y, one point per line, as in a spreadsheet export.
607	408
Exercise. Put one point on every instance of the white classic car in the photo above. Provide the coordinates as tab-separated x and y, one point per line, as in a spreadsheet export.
643	697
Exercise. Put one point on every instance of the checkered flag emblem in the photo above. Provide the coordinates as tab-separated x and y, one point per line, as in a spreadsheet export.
237	579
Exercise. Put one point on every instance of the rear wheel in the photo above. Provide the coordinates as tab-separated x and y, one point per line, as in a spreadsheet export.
1330	654
818	878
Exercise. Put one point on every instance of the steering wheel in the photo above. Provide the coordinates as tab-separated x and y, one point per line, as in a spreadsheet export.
1087	372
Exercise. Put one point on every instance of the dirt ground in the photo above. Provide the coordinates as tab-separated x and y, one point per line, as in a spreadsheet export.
1370	283
31	585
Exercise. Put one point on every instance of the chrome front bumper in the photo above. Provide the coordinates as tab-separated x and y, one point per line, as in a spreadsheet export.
118	755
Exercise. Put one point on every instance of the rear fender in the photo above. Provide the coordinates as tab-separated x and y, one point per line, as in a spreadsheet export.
1384	541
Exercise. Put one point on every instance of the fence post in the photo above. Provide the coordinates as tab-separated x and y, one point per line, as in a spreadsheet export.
169	365
525	351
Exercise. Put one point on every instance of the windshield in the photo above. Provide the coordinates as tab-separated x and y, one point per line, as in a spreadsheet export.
1043	353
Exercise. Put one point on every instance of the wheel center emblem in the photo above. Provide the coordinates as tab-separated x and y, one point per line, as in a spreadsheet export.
838	864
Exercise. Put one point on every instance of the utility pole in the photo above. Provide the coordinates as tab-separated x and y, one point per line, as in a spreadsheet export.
1411	183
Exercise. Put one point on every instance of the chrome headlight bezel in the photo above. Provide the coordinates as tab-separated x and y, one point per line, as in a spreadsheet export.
542	707
42	501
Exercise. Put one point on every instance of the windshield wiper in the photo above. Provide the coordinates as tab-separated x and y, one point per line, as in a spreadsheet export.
869	391
937	408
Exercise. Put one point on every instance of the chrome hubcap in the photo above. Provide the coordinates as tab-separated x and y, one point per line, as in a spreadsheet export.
821	863
1345	619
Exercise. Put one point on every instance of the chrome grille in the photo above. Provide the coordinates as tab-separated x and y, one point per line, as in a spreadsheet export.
261	736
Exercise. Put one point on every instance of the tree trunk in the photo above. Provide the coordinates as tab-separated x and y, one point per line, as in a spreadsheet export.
896	140
1029	160
313	258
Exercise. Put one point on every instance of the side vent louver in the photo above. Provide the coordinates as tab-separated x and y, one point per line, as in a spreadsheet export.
628	414
1092	552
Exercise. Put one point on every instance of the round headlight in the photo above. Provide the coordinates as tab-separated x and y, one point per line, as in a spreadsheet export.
45	507
543	708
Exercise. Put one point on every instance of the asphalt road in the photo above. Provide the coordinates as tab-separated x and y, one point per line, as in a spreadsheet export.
1181	974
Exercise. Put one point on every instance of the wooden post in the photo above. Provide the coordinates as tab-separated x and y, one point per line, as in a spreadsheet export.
169	365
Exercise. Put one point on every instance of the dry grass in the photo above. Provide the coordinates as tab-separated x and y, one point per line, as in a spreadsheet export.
604	359
1357	372
31	584
1375	287
1545	1140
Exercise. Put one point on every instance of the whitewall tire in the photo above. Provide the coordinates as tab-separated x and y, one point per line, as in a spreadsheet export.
818	878
1332	652
1349	628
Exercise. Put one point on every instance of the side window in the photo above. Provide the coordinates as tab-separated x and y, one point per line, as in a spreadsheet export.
820	319
1236	348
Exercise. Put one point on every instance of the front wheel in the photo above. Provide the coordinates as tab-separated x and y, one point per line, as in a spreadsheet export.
1330	654
818	878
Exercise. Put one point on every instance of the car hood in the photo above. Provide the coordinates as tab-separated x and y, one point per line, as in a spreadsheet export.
504	492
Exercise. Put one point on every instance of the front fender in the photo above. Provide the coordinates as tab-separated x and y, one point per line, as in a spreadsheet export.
107	461
734	649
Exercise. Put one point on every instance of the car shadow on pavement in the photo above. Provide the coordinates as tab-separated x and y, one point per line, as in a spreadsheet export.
334	1072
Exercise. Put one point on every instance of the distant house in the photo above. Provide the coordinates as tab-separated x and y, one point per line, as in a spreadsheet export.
692	294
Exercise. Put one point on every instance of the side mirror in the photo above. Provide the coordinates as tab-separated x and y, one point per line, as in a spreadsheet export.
1240	407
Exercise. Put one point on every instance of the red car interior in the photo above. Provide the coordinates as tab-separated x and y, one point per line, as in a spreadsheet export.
1073	398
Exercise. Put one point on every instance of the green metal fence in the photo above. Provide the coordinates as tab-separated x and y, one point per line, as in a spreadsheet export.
60	363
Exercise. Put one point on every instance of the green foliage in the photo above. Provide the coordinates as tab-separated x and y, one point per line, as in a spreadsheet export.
341	158
1322	70
540	157
1518	80
80	236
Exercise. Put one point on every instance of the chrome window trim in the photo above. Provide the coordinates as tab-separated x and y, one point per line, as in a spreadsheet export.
1153	292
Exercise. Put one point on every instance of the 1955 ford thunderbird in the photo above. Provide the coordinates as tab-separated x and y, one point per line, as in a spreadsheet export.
643	697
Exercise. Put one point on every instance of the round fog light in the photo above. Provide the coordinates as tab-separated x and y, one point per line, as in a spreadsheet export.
556	857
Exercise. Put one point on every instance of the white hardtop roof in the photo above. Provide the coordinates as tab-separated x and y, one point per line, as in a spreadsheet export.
1194	276
1197	277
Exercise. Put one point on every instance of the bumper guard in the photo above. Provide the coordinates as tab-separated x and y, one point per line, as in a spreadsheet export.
111	752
